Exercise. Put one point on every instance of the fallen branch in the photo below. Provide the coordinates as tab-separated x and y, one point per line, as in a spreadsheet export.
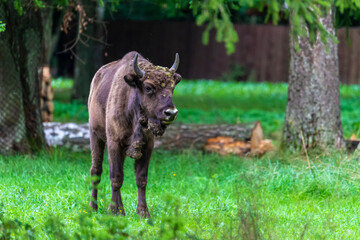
76	136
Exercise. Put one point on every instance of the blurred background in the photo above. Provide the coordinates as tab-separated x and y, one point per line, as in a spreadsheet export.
245	86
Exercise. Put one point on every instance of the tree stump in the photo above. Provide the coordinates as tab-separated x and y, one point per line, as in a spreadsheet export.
47	96
352	144
255	146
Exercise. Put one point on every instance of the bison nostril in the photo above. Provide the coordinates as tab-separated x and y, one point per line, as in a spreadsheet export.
170	113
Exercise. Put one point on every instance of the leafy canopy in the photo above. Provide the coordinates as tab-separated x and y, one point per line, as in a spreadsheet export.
217	14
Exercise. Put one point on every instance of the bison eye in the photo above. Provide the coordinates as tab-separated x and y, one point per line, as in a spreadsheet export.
148	89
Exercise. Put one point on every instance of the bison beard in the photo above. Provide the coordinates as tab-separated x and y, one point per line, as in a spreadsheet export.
144	125
156	127
153	125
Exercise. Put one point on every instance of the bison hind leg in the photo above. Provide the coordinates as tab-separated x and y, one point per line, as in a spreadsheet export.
97	157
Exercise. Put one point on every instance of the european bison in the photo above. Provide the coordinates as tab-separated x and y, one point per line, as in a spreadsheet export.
130	102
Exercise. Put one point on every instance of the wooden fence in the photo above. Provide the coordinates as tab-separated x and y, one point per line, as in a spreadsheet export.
262	49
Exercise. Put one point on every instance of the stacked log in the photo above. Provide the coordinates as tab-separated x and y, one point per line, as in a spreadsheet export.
252	145
47	96
239	139
245	139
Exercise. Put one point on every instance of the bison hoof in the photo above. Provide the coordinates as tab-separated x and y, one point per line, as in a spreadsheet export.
93	205
143	212
134	153
116	210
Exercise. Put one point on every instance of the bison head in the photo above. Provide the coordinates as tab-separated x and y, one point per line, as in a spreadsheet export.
155	86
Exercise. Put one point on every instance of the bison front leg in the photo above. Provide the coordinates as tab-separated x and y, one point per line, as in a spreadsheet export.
116	165
97	156
141	172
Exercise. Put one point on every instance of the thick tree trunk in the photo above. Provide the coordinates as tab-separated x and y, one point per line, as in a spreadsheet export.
89	50
20	56
313	108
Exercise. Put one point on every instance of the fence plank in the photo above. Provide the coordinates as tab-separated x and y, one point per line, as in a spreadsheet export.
262	49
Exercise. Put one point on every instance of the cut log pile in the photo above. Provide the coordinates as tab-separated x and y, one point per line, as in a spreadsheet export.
352	143
47	96
255	146
239	139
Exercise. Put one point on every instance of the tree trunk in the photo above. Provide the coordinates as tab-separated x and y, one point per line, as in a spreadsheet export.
47	14
313	108
89	50
20	56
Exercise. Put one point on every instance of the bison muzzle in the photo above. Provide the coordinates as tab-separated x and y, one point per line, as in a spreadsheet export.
130	102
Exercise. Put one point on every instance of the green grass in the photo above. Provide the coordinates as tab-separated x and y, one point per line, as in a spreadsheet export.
62	83
192	195
189	194
229	102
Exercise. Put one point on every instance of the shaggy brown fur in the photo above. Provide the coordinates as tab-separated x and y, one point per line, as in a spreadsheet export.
125	112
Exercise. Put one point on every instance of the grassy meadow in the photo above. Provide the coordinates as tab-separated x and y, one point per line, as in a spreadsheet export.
192	195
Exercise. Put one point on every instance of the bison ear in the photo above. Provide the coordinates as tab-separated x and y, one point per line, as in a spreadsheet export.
177	77
132	80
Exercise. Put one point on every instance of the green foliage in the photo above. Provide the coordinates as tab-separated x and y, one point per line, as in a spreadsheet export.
2	26
308	13
236	73
18	6
190	195
217	13
350	5
62	83
75	111
148	10
101	3
10	229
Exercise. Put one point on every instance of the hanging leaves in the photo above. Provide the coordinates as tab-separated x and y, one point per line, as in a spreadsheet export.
305	16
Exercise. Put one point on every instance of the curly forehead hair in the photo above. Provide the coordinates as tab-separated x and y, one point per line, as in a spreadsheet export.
158	74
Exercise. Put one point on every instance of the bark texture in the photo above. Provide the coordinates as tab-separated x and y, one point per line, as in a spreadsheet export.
313	108
47	14
179	136
20	56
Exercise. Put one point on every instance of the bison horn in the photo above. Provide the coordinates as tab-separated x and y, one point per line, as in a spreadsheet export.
175	66
137	70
